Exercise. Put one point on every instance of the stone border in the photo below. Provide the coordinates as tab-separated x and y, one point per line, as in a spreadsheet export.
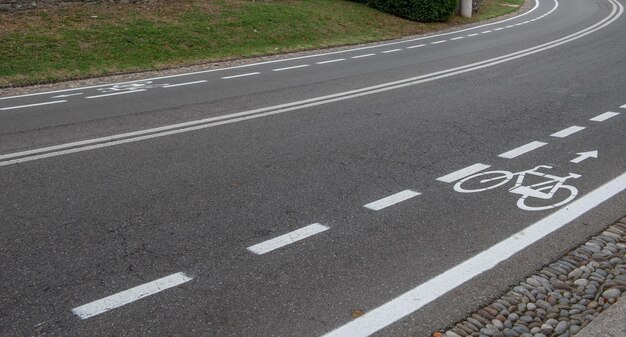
559	300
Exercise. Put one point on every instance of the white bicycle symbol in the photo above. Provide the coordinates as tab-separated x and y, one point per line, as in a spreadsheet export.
131	86
544	190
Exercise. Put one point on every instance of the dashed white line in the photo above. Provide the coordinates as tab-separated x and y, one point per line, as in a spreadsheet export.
567	132
240	75
604	116
286	239
116	93
364	55
519	24
390	51
485	32
391	200
475	34
431	290
462	173
330	61
457	38
526	22
623	106
499	28
522	150
128	296
510	26
438	42
182	84
31	105
289	68
416	46
68	95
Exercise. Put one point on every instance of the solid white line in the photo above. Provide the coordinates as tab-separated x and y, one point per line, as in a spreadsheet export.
68	95
288	59
289	68
116	93
416	46
391	200
181	84
240	75
390	51
168	130
522	149
330	61
604	116
286	239
462	173
457	38
475	34
436	287
364	55
31	105
128	296
566	132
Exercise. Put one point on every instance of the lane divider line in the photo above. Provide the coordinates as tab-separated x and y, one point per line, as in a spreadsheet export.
416	46
31	105
292	67
182	84
116	93
438	42
475	34
391	200
361	56
128	296
67	95
623	106
567	132
330	61
390	51
462	173
487	31
457	38
240	75
516	152
431	290
287	239
604	116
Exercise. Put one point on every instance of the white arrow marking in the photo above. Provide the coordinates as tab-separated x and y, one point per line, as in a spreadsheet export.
584	155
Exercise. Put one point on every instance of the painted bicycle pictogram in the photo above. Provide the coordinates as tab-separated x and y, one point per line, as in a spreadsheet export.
533	196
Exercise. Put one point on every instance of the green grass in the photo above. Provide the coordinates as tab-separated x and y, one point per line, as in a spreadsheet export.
41	46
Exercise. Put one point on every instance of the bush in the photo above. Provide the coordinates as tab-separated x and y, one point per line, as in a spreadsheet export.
416	10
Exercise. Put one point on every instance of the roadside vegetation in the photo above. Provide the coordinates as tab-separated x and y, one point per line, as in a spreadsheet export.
55	44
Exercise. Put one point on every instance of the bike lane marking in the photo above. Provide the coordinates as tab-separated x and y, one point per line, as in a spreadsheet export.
427	292
604	116
567	132
462	173
128	296
286	239
522	150
392	200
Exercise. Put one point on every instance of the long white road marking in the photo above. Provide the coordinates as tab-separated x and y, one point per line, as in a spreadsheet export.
486	32
522	149
31	105
330	61
293	67
390	51
182	84
286	239
116	93
416	46
391	200
168	130
67	95
556	5
438	42
499	28
457	38
462	173
436	287
510	26
361	56
604	116
567	132
470	35
131	295
240	75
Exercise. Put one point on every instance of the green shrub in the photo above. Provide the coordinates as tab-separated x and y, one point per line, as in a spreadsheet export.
416	10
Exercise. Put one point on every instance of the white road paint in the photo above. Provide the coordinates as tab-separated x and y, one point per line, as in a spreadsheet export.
522	150
361	56
475	34
485	32
584	155
168	130
510	26
68	95
390	51
499	28
556	5
131	295
293	67
623	106
438	286
416	46
391	200
438	42
604	116
183	84
286	239
116	93
567	132
457	38
241	75
462	173
330	61
32	105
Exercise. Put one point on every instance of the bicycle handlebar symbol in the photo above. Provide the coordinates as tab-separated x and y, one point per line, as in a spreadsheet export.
544	190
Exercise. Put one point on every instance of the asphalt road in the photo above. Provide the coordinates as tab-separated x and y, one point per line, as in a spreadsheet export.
173	195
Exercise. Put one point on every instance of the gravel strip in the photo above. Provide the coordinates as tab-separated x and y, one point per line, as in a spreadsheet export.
559	300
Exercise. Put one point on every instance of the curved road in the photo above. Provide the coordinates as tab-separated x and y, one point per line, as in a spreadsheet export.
342	194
